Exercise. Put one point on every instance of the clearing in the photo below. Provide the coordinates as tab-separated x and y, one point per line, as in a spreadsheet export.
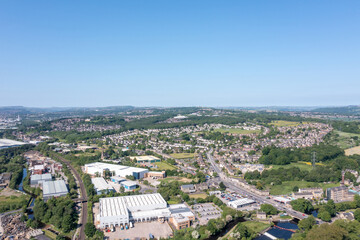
237	130
256	226
171	179
343	139
164	166
198	195
182	155
352	151
287	186
12	200
301	165
281	123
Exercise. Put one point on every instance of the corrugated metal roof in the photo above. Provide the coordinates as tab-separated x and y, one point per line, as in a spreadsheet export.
54	187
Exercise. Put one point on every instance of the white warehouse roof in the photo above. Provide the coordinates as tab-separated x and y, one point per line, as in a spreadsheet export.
100	184
241	202
54	187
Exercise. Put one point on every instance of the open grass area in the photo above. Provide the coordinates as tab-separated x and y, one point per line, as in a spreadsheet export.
288	186
352	151
256	226
198	195
182	155
164	166
237	130
12	200
171	179
342	139
281	123
302	165
49	234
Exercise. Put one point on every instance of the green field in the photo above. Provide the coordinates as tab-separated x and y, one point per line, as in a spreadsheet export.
164	166
343	139
12	200
182	155
236	131
288	186
198	195
302	166
256	226
171	179
281	123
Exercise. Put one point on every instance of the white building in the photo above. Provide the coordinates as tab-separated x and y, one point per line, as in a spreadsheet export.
240	203
54	189
116	170
118	211
40	178
101	186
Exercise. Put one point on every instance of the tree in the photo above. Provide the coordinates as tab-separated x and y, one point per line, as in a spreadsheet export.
222	186
90	229
302	205
357	214
268	209
296	189
307	223
60	237
327	231
324	215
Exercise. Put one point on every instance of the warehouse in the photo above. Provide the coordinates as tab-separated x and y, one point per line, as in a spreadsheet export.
118	211
145	159
40	178
54	189
240	203
100	169
7	143
129	185
101	186
117	179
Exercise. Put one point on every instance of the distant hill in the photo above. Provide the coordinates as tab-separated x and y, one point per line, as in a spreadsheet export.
346	110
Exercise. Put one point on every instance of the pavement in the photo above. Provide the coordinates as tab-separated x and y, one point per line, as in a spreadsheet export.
231	184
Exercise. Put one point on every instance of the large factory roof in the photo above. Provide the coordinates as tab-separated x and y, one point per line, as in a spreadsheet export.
54	187
116	206
5	143
101	184
113	167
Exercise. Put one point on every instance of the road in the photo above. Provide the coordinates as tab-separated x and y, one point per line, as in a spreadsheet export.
84	212
231	184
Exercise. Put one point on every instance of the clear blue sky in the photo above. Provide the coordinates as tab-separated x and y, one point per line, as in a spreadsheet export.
179	53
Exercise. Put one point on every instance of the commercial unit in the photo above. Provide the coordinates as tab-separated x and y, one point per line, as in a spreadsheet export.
40	178
101	186
156	175
117	179
145	159
7	143
240	203
100	169
54	189
181	216
129	185
118	211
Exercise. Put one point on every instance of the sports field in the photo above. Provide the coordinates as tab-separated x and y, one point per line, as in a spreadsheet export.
236	130
164	166
198	195
182	155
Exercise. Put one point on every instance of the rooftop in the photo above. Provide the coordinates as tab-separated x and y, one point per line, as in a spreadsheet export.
54	187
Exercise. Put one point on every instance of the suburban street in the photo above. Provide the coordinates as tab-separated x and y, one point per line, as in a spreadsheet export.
231	184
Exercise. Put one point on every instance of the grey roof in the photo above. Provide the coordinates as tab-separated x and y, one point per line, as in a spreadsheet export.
41	177
54	187
188	186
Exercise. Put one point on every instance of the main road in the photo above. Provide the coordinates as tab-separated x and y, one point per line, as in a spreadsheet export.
83	196
231	184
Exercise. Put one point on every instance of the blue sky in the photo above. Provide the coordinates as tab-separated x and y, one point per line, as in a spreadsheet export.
179	53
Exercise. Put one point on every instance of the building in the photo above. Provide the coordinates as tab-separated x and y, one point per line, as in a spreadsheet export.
117	179
145	159
156	175
181	216
240	203
100	169
7	143
188	188
118	211
54	189
261	215
282	200
305	195
339	194
40	178
38	169
101	186
129	185
4	179
202	186
316	192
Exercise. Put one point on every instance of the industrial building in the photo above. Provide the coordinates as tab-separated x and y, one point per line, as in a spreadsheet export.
117	211
156	175
54	189
101	186
129	185
240	203
145	159
100	169
40	178
188	188
339	194
117	179
7	143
